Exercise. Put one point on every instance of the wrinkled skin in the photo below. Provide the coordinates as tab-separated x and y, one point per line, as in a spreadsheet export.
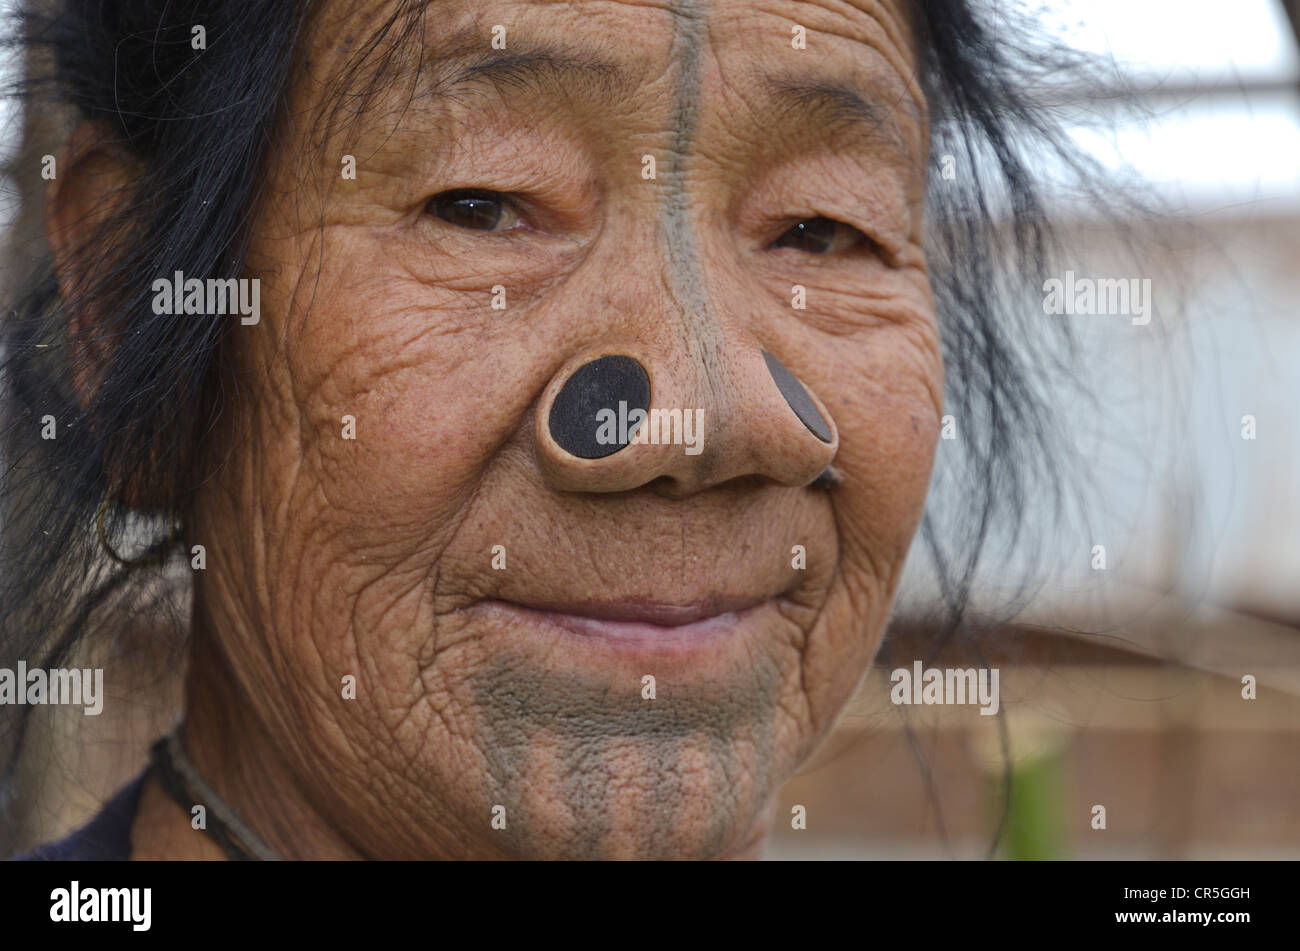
372	556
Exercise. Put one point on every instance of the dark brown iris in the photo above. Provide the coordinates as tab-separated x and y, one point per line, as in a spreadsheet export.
466	208
818	236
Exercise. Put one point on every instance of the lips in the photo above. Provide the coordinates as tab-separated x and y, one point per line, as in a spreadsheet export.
640	623
659	614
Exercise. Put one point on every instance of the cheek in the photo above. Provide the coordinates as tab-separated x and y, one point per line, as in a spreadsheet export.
435	378
884	390
888	407
886	384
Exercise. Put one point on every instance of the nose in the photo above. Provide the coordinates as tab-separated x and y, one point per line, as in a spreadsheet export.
613	422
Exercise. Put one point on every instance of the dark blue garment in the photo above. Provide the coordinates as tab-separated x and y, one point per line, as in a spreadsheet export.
105	838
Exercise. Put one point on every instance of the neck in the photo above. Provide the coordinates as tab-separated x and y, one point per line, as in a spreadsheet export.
233	752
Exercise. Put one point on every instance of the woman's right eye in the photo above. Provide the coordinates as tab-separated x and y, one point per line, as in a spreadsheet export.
474	209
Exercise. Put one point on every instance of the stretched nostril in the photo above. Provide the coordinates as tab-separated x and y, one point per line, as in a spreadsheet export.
602	384
797	397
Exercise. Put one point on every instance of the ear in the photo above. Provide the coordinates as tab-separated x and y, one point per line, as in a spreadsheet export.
94	178
93	188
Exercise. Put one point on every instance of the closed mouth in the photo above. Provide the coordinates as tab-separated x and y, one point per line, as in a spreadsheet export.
657	613
640	622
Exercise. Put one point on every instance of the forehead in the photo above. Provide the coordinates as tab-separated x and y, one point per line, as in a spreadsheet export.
847	62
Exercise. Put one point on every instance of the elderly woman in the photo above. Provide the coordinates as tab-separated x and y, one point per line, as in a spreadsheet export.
539	402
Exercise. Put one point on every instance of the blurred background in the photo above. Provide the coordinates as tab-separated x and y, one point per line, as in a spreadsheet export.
1120	687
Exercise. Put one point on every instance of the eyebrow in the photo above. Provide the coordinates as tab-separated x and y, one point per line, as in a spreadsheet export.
838	109
553	71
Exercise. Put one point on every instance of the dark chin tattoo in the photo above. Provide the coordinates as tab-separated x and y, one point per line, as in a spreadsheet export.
586	771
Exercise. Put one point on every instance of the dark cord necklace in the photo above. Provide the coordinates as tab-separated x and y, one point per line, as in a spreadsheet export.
183	782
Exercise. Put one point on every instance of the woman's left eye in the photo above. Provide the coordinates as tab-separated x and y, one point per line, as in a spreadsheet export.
821	236
474	209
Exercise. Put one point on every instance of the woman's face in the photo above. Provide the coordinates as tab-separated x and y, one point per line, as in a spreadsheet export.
514	676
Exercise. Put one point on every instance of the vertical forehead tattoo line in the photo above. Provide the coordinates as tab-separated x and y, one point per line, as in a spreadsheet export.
686	276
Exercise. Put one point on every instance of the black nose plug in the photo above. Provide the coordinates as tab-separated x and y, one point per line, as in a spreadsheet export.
798	398
602	384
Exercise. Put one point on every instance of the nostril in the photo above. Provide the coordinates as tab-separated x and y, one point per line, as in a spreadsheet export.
602	384
798	398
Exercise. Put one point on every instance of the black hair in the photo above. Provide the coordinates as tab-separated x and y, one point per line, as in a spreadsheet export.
201	125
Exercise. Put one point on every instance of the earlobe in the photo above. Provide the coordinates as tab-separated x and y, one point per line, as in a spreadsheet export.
84	202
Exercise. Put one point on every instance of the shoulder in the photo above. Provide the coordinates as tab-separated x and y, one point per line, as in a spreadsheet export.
105	838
